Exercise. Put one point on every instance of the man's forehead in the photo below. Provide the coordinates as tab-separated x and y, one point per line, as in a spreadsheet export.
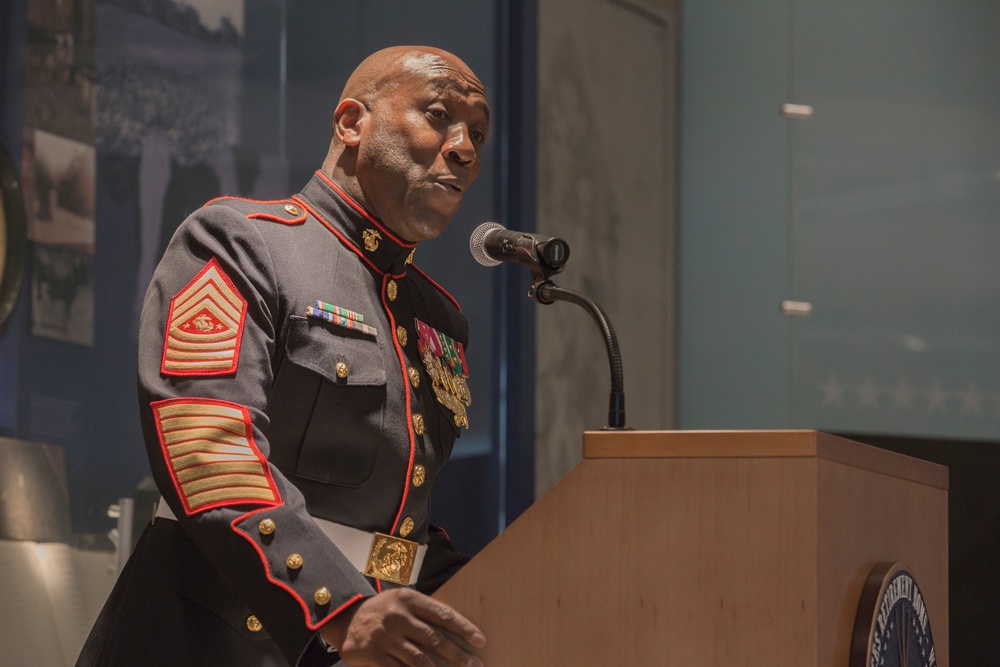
432	63
444	74
444	85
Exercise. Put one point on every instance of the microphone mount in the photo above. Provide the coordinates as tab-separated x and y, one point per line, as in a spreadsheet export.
545	292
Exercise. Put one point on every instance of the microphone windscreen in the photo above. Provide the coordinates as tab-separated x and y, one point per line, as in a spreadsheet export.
477	241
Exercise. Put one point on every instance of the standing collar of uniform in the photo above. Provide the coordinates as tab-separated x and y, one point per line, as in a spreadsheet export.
353	225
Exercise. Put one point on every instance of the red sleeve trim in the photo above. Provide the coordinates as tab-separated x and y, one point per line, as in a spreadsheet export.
204	326
280	584
209	449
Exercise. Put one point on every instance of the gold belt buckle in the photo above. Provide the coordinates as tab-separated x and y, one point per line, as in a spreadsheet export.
391	559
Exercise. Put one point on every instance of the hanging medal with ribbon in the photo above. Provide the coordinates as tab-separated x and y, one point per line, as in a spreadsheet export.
444	360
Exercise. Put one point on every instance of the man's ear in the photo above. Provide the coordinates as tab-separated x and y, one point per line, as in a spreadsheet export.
348	121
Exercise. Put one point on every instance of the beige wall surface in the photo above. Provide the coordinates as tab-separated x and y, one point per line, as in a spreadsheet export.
606	183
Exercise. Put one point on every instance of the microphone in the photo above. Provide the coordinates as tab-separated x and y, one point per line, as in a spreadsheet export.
492	244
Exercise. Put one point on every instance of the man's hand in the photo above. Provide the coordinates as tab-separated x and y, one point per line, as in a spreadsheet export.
403	627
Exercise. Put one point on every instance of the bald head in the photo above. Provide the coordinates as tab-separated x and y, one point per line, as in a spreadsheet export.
381	73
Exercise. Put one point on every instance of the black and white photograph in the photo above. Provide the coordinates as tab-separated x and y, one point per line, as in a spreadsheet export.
62	294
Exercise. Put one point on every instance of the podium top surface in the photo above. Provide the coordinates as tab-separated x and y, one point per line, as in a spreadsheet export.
760	444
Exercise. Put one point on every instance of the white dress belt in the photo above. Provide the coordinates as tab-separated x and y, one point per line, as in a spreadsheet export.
355	544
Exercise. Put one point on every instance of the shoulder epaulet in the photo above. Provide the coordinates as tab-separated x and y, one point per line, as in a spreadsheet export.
284	211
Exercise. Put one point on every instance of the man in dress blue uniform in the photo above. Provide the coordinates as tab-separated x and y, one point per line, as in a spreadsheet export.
301	384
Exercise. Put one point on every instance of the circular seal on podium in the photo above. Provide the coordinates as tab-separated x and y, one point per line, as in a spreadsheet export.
892	628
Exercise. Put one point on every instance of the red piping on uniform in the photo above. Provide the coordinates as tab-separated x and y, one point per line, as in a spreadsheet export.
409	416
357	207
252	201
281	584
291	222
440	289
343	240
262	216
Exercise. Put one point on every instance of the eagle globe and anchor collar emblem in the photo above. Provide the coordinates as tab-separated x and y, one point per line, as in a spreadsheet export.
892	627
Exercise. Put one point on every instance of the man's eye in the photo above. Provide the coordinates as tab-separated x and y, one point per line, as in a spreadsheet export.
439	114
478	137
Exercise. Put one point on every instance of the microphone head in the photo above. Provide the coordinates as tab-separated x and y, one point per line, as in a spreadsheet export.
477	241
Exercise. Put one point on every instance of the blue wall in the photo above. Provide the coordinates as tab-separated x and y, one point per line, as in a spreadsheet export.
733	361
882	210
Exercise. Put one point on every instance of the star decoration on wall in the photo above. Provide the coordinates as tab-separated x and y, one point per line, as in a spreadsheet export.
902	395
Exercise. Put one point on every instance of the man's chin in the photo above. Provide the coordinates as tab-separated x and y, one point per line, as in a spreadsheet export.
421	230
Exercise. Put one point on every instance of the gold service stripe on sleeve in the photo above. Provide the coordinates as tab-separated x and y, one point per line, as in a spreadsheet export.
222	422
200	458
200	409
210	432
222	482
235	494
209	447
226	467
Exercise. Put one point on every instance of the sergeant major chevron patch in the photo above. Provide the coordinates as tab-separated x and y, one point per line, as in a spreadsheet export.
204	326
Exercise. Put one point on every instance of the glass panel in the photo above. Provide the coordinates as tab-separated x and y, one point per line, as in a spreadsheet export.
895	195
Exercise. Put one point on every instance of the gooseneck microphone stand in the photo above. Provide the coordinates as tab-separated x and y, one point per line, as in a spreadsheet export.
545	292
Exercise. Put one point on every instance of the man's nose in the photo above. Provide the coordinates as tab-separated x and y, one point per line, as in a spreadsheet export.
459	146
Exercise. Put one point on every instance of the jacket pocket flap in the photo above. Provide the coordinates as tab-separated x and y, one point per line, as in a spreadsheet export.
342	356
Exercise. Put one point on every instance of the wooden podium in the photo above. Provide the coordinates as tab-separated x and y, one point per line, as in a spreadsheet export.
707	548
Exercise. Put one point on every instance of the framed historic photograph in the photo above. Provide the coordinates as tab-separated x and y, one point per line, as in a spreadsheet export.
13	236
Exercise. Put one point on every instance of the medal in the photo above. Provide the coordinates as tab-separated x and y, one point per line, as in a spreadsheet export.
444	359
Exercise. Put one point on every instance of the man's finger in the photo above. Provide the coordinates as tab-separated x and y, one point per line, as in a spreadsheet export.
443	616
412	655
436	642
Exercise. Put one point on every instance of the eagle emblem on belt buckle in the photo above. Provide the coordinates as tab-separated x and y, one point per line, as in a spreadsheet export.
391	559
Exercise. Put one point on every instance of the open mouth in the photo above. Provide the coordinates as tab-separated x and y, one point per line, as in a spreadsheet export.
450	187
